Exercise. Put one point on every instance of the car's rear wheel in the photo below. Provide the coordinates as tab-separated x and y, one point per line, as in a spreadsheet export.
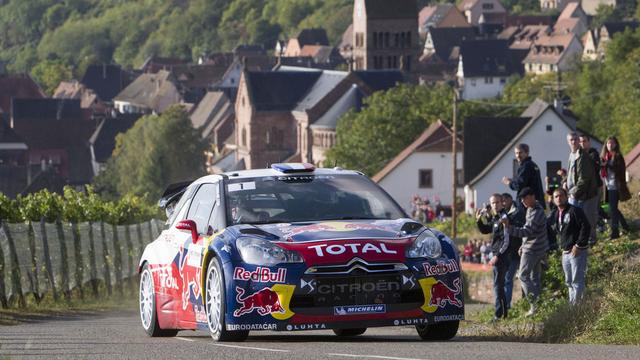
215	305
148	313
441	331
349	332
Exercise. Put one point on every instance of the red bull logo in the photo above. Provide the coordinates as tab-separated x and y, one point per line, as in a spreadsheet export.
265	301
441	294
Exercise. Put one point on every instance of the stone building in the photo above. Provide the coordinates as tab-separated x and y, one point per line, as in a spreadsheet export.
385	34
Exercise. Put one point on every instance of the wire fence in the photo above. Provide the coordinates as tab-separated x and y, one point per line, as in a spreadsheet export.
39	258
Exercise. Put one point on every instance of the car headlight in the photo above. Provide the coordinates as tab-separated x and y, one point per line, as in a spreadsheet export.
264	252
425	245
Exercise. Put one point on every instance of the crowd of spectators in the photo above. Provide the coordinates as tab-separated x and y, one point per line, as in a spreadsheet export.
424	211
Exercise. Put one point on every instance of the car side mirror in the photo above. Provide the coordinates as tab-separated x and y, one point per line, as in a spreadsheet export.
189	225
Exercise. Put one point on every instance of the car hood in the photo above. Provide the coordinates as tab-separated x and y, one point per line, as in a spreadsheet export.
333	230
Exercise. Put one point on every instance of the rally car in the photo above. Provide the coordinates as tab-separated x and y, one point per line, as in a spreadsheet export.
295	248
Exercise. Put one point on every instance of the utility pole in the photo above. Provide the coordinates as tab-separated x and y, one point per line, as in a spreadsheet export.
454	218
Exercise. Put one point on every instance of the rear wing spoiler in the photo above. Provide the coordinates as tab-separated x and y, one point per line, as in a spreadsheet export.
173	193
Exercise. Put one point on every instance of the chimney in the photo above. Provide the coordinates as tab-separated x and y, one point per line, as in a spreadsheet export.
558	105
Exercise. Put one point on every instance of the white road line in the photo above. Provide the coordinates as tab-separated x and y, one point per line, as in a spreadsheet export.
184	339
249	347
372	356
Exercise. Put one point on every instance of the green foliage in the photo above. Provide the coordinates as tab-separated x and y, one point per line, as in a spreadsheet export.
80	31
390	121
157	151
75	206
523	90
50	73
605	13
605	95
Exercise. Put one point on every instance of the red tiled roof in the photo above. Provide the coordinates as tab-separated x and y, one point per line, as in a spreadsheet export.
632	155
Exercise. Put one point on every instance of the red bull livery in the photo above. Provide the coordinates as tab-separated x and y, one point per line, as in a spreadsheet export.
295	248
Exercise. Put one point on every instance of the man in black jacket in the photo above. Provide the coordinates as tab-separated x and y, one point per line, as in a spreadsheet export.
488	222
527	175
573	229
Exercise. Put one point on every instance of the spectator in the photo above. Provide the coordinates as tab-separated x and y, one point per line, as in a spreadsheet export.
582	184
483	253
534	246
613	171
573	229
476	251
468	251
488	222
527	175
516	218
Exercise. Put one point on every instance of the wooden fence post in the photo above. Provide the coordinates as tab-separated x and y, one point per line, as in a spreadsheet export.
3	292
117	259
92	261
47	259
107	256
64	267
31	236
15	268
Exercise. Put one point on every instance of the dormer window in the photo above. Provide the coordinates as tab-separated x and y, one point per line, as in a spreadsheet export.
487	6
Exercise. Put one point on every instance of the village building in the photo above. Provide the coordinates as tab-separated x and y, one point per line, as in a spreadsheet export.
149	93
424	168
474	10
384	36
553	53
440	15
484	67
489	144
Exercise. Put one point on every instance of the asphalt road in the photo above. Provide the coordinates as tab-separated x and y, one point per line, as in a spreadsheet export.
119	335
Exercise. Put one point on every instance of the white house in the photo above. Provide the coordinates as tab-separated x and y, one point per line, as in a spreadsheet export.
483	68
489	144
423	168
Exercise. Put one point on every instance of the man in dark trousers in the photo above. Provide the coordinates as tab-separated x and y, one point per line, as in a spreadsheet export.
534	246
516	217
527	175
573	229
488	222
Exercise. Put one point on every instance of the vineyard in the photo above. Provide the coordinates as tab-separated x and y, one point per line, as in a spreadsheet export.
69	245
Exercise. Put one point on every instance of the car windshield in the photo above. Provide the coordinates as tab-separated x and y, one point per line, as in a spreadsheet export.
303	198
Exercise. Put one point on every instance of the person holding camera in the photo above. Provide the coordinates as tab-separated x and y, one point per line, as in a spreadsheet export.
488	222
534	246
516	217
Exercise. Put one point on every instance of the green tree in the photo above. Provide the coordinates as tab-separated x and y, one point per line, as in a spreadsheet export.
605	13
157	151
50	73
523	90
390	121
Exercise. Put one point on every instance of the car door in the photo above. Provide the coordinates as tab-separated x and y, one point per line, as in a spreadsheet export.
167	276
191	255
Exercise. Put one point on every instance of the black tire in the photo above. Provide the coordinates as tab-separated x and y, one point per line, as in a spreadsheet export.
349	332
216	309
438	332
147	302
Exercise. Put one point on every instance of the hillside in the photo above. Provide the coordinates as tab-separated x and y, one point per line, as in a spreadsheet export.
79	32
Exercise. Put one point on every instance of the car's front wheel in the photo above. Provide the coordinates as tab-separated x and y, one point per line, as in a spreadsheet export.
215	305
437	332
148	313
349	332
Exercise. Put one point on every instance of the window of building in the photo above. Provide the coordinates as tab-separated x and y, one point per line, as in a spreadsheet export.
408	38
473	82
552	67
426	178
488	80
386	40
503	80
408	63
540	67
487	6
549	128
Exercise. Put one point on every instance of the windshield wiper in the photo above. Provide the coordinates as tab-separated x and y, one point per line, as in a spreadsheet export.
355	218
